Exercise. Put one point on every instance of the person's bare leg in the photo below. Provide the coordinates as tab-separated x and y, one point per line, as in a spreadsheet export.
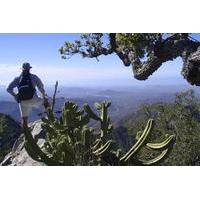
25	122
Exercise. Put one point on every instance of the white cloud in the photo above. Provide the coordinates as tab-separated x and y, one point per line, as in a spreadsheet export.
169	73
69	75
82	75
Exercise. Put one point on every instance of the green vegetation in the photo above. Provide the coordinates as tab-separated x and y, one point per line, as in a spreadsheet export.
83	136
180	118
71	141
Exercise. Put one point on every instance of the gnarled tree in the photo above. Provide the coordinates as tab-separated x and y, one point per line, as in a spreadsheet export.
144	52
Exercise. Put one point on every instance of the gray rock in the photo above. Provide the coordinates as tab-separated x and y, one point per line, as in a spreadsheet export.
18	156
10	131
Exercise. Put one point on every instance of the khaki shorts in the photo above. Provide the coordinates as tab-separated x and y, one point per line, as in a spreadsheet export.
27	105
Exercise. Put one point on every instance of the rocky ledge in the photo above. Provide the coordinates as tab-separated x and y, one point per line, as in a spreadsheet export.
18	155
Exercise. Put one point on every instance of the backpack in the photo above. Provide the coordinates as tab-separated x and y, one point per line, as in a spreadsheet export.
26	90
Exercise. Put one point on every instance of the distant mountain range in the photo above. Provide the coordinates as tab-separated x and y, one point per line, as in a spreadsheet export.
125	100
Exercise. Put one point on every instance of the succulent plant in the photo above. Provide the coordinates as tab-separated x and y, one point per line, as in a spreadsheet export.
71	141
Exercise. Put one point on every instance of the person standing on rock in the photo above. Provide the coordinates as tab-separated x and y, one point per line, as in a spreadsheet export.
27	96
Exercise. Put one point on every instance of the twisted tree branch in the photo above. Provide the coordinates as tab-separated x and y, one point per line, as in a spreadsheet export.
157	51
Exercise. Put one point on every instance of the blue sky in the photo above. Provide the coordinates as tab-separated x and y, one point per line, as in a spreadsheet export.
41	50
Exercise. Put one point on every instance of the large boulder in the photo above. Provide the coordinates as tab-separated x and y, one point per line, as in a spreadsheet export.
10	131
18	155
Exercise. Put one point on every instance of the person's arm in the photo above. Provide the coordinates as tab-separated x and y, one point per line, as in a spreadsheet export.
40	87
11	86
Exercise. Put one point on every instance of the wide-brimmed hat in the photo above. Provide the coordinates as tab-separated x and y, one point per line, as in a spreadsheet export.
26	66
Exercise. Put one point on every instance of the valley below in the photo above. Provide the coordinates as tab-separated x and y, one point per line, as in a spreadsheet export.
125	100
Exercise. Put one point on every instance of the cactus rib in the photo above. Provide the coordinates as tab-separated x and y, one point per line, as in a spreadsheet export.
89	111
98	106
101	149
162	144
155	160
96	144
139	143
104	150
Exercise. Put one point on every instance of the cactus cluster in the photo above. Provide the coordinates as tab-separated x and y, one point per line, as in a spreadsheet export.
71	141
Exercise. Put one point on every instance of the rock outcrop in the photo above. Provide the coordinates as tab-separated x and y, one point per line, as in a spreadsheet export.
18	155
10	131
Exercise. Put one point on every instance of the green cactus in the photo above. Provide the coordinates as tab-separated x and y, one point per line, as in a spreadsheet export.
103	148
31	152
155	160
70	140
90	112
162	144
139	143
97	144
106	126
35	151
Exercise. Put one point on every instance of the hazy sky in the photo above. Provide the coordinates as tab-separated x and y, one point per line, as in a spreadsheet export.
41	50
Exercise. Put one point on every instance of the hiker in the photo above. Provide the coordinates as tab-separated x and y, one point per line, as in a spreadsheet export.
27	95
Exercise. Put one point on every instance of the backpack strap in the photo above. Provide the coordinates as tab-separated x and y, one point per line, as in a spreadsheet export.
20	79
